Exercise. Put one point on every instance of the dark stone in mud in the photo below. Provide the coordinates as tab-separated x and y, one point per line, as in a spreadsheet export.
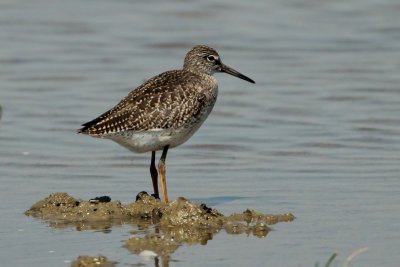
100	199
88	261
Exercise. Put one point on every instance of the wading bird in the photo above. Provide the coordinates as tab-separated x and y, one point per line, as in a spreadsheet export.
165	111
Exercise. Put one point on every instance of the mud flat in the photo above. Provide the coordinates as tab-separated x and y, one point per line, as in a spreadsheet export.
181	222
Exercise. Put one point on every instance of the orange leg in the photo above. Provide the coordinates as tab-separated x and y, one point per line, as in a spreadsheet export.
161	169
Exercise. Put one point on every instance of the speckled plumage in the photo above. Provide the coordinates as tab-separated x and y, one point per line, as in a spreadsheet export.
168	100
166	110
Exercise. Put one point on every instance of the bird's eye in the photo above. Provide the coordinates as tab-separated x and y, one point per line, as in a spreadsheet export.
211	58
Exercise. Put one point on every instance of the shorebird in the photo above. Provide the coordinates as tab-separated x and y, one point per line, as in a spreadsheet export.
165	111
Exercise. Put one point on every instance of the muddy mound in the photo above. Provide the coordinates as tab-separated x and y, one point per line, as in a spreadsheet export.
61	207
88	261
62	210
181	220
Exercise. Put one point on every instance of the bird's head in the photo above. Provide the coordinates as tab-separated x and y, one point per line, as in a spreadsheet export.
204	59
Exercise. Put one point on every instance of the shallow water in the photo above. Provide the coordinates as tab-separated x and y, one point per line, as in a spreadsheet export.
318	135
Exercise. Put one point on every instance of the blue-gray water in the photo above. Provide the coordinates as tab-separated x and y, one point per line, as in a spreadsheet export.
318	135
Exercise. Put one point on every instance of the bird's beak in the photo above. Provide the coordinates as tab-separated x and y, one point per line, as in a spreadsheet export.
226	69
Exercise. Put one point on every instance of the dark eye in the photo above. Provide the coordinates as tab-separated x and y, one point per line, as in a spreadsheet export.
211	58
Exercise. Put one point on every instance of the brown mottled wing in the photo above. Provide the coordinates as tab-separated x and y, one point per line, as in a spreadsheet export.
167	100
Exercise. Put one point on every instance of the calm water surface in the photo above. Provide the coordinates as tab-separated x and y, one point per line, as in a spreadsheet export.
318	135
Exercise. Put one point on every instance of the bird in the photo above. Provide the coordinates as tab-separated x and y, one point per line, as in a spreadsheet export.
165	111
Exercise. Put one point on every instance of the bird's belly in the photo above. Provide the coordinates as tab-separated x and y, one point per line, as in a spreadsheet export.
155	139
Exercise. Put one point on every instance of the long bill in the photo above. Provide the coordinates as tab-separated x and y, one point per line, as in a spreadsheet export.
229	70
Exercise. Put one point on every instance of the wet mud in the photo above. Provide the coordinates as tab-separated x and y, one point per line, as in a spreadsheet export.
167	226
88	261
